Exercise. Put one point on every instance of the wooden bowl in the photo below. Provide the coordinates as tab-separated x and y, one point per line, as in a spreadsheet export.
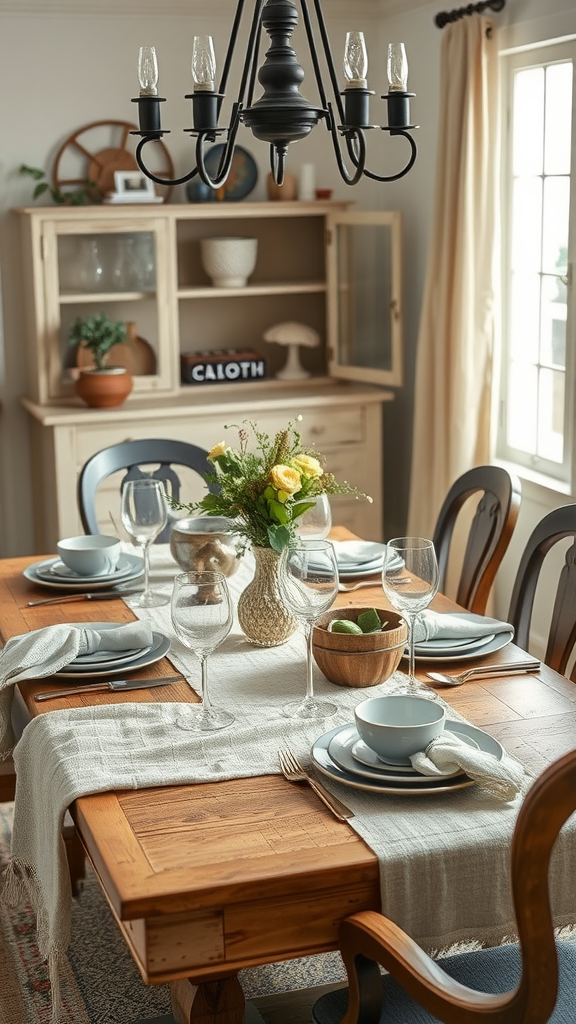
351	659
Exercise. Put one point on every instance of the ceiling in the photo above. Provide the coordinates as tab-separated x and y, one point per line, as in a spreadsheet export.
338	8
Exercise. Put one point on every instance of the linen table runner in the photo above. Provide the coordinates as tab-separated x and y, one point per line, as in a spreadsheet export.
444	858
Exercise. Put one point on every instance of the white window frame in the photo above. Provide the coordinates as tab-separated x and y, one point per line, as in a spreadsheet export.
562	475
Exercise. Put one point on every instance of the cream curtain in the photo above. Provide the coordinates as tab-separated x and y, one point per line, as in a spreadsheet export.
456	336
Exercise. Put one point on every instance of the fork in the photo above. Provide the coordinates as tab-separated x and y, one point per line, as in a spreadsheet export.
484	672
293	771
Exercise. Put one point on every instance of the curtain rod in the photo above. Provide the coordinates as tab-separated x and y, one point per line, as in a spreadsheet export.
445	17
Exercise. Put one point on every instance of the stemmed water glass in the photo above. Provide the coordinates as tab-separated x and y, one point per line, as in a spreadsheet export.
309	583
202	618
316	523
144	515
410	581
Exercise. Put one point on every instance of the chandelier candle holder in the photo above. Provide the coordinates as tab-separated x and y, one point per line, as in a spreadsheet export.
281	115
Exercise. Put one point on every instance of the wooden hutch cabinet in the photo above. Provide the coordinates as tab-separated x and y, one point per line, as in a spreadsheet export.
317	264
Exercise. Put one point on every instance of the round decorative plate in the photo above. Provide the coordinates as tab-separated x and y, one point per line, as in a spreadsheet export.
80	155
240	182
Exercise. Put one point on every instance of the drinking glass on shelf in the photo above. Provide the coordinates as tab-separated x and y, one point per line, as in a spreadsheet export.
308	577
410	581
144	515
202	618
316	523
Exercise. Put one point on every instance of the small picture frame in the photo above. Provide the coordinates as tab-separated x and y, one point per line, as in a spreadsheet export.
133	185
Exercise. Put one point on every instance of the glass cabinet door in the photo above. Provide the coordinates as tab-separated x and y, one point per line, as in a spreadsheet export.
364	286
116	269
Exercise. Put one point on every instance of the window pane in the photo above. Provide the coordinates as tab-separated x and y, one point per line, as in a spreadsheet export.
527	224
522	405
555	225
528	140
551	415
365	295
558	118
525	317
553	323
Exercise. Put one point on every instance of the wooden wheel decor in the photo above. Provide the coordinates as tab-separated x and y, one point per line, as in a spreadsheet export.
98	165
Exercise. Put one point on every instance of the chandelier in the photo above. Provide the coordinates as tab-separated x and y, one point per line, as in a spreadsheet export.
281	115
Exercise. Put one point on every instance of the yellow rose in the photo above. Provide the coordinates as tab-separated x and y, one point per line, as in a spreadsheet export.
284	478
309	465
216	451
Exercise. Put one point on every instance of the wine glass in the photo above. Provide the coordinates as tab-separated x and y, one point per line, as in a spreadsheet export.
410	581
145	514
308	576
202	618
316	523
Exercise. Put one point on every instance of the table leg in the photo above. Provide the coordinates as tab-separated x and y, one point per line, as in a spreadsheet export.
214	1001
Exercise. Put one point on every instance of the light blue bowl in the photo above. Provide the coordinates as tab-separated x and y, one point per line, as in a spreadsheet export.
400	725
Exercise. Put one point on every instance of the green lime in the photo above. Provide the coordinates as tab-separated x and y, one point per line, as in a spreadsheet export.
370	621
344	626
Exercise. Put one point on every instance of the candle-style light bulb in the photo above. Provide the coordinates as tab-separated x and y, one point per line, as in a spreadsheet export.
355	60
148	71
203	64
397	68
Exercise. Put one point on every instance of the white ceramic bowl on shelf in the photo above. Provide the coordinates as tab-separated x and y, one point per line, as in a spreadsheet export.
229	262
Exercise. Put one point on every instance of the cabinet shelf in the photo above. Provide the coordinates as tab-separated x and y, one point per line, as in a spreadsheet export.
73	298
273	288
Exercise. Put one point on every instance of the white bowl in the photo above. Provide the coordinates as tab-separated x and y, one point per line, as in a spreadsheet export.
90	554
399	725
229	261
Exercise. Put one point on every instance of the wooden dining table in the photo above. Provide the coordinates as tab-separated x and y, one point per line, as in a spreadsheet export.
207	879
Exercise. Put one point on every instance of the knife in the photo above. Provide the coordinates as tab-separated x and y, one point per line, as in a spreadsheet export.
94	595
110	684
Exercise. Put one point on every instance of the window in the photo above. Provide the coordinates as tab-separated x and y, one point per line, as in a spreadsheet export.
537	380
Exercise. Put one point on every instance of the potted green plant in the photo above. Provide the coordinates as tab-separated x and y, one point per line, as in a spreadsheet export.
102	385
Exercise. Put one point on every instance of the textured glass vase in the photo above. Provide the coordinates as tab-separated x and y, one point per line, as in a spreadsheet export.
262	614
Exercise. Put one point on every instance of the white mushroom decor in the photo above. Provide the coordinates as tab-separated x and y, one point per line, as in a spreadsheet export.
292	335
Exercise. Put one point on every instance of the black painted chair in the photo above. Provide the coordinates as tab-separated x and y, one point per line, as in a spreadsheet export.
510	984
554	527
131	456
490	531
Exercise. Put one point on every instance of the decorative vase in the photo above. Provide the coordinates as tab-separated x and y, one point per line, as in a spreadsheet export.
104	389
229	262
262	613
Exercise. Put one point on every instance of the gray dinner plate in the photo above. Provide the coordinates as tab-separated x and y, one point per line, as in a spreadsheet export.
349	752
160	647
31	572
323	761
499	641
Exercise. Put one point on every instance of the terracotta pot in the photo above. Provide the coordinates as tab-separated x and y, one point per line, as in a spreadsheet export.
262	614
106	388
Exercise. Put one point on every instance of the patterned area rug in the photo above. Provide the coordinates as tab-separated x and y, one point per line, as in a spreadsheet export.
101	984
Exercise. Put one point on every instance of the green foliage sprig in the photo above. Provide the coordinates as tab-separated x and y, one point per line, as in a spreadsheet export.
84	195
99	334
265	491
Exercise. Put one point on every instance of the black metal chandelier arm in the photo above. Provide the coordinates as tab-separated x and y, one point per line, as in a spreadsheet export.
408	167
359	159
277	163
154	177
227	156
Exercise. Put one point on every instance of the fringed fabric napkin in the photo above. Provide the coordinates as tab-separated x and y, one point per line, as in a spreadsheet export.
45	651
432	625
503	779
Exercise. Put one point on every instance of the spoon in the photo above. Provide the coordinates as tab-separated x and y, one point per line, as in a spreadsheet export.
483	672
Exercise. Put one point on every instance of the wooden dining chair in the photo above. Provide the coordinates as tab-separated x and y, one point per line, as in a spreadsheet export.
132	456
554	527
531	982
490	531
